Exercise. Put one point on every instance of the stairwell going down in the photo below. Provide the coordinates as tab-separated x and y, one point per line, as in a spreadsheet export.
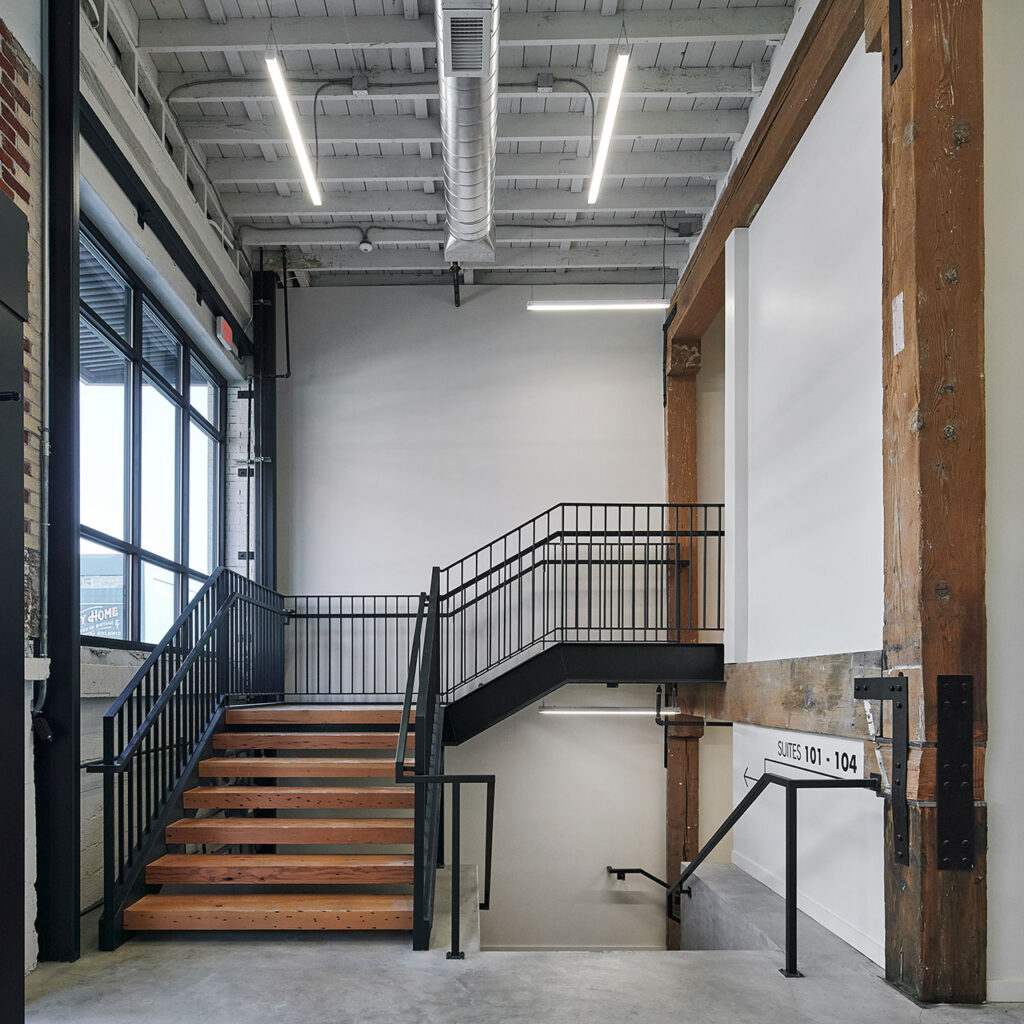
278	765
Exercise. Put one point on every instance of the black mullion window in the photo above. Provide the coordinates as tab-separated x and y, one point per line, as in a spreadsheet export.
158	357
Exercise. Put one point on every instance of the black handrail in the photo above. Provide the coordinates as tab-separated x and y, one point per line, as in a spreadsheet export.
792	787
583	572
430	780
228	642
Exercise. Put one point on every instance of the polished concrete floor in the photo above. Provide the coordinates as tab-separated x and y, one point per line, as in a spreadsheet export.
322	978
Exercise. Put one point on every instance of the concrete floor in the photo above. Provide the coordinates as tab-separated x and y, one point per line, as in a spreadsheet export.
335	978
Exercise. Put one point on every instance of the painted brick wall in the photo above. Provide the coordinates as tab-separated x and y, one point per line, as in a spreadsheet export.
237	458
21	181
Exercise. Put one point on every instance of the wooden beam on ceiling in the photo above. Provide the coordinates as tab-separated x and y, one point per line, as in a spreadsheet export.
407	202
418	234
356	128
368	32
517	82
507	258
685	163
828	40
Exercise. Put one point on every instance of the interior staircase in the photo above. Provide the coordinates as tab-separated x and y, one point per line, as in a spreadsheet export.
277	770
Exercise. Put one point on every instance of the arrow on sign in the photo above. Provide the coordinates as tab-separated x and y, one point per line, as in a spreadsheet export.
748	779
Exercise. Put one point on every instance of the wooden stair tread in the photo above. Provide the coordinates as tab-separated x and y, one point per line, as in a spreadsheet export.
323	714
290	830
268	797
306	740
296	767
280	868
266	911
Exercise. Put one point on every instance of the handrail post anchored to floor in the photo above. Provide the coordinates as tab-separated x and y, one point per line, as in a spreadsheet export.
792	787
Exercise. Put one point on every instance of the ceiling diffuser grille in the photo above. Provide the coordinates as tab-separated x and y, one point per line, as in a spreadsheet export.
467	43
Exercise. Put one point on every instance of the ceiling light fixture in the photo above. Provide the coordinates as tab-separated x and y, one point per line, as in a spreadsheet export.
594	305
284	101
610	110
547	709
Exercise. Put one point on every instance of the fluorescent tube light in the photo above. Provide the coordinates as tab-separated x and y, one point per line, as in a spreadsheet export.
284	101
610	110
546	709
591	305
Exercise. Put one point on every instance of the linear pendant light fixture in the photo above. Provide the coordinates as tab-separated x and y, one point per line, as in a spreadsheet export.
284	101
610	110
548	709
594	305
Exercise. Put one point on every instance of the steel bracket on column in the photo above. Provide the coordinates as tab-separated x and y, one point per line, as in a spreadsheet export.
894	688
955	774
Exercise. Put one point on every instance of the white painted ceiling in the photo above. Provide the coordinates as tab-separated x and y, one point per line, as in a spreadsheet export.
694	68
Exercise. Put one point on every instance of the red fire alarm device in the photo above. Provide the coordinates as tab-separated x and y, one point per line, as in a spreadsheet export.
224	335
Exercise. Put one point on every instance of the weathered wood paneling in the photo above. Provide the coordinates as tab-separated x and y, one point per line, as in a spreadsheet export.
813	694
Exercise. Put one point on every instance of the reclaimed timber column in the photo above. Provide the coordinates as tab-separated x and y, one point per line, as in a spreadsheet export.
934	466
683	751
682	841
682	366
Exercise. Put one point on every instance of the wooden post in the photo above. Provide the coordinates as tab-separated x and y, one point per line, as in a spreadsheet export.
681	803
934	462
683	757
682	365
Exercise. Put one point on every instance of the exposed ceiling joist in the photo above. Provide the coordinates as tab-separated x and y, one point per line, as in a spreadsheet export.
491	276
416	234
682	164
357	128
547	258
184	35
514	82
399	203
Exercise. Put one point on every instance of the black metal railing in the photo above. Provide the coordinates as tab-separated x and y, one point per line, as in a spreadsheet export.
582	572
792	787
429	779
350	647
227	643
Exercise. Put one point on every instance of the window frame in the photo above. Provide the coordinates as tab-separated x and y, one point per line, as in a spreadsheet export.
144	374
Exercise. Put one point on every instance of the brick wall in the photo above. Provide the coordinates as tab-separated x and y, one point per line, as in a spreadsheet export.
21	181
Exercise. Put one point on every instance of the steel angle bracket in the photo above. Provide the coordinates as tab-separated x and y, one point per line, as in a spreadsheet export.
894	688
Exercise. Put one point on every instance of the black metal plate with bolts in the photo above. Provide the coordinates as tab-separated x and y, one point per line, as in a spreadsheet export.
894	688
955	773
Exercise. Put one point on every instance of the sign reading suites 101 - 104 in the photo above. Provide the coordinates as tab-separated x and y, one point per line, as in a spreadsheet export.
801	755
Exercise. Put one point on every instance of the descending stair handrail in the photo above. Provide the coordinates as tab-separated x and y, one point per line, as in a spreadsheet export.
430	780
227	643
792	787
583	572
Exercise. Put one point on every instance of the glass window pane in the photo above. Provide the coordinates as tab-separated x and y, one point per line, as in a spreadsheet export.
202	501
103	600
160	348
102	288
157	607
160	458
204	393
194	586
104	377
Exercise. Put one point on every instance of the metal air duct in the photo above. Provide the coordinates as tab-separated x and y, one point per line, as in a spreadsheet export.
467	68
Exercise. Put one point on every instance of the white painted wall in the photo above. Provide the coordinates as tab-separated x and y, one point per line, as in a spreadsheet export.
813	435
572	795
840	844
803	471
412	432
1004	383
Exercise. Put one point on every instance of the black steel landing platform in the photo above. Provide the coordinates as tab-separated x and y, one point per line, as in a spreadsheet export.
523	684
